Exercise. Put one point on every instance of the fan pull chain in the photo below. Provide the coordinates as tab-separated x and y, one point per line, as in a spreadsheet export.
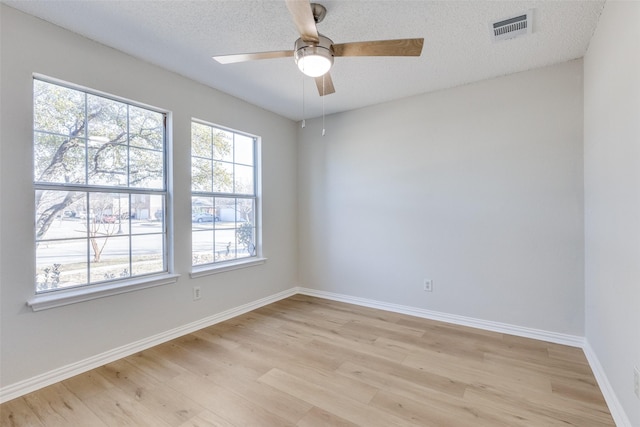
323	95
303	113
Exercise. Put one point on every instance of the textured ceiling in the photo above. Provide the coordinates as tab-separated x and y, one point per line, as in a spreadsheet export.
183	35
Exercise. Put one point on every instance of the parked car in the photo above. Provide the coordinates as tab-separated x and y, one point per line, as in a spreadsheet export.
204	217
83	215
107	219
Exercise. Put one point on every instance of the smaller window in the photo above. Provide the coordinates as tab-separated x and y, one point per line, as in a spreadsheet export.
223	202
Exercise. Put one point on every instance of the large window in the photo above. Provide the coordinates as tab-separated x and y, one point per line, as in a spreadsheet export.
223	202
100	188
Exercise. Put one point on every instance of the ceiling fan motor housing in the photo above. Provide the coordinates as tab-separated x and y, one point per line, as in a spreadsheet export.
305	50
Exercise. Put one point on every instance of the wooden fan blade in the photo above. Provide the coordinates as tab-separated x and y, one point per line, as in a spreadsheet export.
326	87
242	57
303	19
400	47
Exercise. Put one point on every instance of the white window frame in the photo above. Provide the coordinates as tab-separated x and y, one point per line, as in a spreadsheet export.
64	296
238	263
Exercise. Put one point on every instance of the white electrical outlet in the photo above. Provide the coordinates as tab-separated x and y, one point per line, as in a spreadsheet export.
636	381
428	285
196	293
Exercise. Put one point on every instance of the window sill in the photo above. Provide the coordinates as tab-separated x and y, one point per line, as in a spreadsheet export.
71	296
228	266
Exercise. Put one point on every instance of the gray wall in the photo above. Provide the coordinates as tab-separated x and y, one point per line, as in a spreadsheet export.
612	197
479	188
35	343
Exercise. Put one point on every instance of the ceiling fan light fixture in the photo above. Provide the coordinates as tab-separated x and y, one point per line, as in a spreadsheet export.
314	59
314	65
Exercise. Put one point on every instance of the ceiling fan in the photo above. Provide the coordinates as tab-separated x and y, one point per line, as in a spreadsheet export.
314	53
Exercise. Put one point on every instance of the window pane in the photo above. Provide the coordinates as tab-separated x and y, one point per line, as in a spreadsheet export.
157	214
222	145
102	208
121	212
246	230
58	215
243	150
61	264
203	214
245	236
57	109
146	168
245	211
58	159
226	209
108	121
225	244
147	254
146	128
222	177
201	140
202	247
148	212
107	164
243	179
109	258
201	174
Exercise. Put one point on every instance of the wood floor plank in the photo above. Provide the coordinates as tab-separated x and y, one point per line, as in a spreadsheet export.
474	372
87	384
225	403
16	413
156	363
541	409
351	410
520	410
55	405
207	419
547	368
403	380
308	362
116	407
334	382
174	409
584	391
281	404
239	373
574	356
438	412
317	417
265	349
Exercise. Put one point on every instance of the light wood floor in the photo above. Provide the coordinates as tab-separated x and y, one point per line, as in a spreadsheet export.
311	362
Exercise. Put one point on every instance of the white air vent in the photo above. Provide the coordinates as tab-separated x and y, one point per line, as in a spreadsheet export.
512	27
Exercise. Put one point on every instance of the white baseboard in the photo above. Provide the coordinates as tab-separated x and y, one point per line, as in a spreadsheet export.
505	328
616	409
27	386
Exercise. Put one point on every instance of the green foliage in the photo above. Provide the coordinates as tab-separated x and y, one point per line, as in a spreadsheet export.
211	150
245	236
50	278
